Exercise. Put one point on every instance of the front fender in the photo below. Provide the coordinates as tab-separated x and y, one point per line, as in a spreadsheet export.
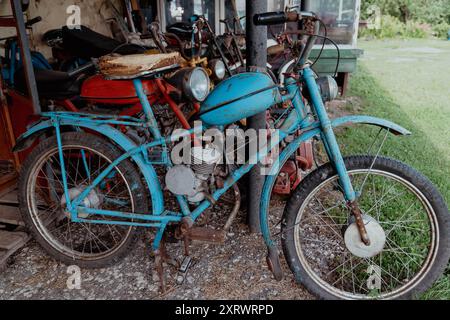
112	134
382	123
292	148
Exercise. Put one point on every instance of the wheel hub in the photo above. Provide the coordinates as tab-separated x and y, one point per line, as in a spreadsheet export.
92	201
376	235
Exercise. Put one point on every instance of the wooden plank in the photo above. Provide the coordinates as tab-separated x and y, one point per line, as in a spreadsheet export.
9	197
8	22
328	66
10	242
6	182
10	215
332	53
328	60
5	192
3	258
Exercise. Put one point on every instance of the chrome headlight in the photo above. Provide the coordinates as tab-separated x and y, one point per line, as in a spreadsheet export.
328	87
218	69
196	84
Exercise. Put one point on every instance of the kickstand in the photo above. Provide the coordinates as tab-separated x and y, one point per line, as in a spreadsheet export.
165	256
160	270
161	257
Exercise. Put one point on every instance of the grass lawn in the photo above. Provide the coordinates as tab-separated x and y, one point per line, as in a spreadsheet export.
407	82
416	74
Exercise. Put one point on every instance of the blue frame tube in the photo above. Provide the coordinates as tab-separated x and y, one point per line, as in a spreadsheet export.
329	137
133	216
150	116
63	166
153	126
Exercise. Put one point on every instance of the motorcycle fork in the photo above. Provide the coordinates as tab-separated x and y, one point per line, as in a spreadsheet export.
334	153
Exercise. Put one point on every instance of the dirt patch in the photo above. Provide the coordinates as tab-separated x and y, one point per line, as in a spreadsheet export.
344	107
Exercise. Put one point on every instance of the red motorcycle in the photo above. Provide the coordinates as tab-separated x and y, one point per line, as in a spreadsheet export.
78	92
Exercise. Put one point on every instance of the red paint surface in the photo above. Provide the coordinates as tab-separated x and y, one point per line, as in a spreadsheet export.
97	89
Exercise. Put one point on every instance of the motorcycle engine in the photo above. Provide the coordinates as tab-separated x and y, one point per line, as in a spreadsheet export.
194	180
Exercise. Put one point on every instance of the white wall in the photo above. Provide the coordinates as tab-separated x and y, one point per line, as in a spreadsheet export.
53	12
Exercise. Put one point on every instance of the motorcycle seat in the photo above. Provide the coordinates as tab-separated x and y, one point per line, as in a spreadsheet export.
51	84
138	65
86	43
183	30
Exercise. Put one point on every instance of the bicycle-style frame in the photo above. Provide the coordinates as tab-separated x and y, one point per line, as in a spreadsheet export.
159	218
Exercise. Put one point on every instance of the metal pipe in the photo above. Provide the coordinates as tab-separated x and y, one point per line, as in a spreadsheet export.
256	61
16	6
306	5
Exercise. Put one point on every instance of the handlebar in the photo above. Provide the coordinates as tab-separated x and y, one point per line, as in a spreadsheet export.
82	69
276	49
280	17
33	21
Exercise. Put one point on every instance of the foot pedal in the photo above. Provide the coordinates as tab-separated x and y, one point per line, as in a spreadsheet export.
182	272
207	235
273	261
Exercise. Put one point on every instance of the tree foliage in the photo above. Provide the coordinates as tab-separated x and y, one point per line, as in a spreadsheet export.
432	12
410	12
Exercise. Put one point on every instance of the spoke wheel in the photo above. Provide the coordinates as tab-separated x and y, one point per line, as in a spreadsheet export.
399	206
43	201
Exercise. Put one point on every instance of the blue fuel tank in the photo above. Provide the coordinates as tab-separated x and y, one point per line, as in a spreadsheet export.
239	97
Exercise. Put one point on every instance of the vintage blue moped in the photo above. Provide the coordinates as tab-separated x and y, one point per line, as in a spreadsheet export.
359	227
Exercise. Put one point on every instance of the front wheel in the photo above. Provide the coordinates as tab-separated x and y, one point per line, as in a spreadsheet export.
406	218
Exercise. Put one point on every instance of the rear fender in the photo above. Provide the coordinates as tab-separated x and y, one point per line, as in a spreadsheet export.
147	170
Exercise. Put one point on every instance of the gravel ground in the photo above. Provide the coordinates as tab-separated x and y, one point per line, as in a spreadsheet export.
236	270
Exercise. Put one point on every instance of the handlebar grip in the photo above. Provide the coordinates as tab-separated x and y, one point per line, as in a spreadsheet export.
276	49
33	21
273	18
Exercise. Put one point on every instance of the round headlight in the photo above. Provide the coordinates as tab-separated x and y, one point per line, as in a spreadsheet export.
328	87
197	84
218	69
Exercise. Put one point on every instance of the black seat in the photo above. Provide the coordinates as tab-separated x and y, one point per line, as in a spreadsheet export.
86	43
51	84
182	30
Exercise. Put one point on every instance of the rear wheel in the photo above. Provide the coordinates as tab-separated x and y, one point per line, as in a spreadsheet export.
406	218
42	200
